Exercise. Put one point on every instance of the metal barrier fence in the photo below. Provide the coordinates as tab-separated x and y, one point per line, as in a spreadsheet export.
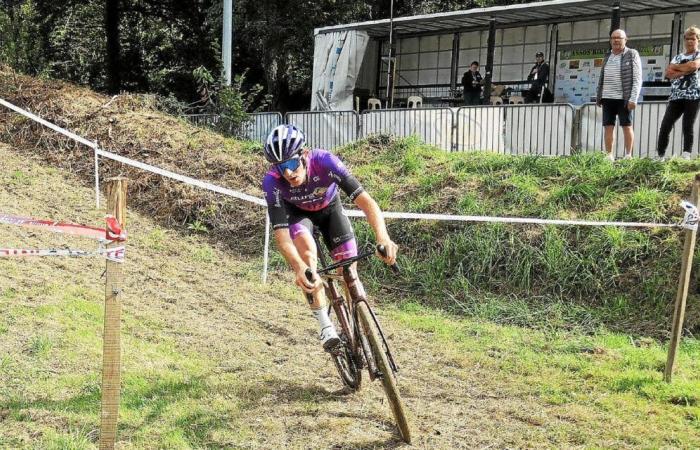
646	124
516	129
256	129
326	129
539	129
260	125
479	128
433	125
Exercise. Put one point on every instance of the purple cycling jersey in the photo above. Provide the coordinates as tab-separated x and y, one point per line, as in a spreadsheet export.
324	173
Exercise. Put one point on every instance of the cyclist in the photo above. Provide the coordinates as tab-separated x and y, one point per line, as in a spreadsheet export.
301	190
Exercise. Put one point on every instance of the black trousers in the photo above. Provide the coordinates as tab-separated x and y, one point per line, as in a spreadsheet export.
689	110
472	97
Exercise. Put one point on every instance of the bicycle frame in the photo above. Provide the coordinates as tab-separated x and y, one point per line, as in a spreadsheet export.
357	294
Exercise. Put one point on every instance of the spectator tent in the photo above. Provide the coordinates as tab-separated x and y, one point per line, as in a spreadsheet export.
351	62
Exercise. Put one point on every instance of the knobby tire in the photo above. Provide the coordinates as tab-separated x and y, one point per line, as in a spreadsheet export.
387	375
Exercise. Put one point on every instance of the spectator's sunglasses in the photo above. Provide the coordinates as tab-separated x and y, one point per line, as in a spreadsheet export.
291	164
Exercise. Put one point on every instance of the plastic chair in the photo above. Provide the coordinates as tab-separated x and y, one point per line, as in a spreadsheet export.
414	101
496	100
374	103
516	100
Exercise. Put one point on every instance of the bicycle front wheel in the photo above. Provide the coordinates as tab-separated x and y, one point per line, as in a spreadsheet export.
387	375
343	356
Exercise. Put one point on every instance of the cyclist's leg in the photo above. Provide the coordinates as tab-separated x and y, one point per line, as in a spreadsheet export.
337	232
301	233
300	230
339	237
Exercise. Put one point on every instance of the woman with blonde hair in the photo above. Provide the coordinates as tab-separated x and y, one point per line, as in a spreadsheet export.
685	93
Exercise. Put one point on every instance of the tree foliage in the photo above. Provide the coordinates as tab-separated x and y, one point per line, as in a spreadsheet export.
155	46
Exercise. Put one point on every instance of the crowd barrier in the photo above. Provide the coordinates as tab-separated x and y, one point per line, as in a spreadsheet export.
539	129
326	129
433	125
647	121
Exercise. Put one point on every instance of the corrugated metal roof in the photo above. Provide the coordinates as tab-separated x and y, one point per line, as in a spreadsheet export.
513	15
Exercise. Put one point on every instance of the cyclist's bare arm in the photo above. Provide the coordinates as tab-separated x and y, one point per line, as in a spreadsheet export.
374	216
291	255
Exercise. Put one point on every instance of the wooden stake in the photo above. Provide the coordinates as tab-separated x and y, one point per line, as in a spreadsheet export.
682	295
111	349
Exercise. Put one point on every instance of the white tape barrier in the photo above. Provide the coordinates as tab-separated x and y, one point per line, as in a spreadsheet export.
350	213
147	167
523	220
115	254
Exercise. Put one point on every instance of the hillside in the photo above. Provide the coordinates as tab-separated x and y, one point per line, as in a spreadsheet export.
542	277
214	359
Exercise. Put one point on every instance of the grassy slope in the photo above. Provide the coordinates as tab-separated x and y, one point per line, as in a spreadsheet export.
535	275
548	277
213	359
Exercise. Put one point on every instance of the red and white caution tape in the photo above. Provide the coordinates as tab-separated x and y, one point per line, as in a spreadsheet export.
113	232
115	254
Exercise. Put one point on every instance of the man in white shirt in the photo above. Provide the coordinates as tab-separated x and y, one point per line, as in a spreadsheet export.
618	91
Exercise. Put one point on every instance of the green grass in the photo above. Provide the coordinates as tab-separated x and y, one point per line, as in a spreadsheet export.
611	371
593	268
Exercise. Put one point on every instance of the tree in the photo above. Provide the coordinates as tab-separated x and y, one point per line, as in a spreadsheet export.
112	30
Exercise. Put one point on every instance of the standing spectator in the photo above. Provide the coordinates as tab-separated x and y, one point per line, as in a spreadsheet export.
618	91
539	76
472	82
685	93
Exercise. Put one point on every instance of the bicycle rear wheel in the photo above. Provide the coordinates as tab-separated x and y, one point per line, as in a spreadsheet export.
387	375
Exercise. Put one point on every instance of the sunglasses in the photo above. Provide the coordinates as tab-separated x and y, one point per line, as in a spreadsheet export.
291	164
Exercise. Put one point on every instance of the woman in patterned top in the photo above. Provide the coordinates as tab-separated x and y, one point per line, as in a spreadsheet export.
685	93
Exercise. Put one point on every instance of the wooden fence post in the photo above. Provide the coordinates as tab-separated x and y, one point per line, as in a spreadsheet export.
111	348
681	296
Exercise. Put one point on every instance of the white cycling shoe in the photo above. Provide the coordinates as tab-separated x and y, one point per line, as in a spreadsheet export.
329	338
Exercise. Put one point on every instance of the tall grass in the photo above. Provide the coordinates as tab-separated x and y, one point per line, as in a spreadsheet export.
622	277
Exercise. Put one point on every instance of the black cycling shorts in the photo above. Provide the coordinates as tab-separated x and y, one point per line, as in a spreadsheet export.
335	227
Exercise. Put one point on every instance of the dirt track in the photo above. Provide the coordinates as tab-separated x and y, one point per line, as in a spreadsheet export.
265	377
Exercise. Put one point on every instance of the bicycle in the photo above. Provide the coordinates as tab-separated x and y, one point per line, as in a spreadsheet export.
362	340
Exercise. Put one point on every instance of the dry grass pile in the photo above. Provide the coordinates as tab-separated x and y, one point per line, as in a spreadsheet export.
130	126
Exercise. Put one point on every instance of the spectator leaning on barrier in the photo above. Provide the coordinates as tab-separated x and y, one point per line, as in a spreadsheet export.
685	93
539	75
618	90
472	82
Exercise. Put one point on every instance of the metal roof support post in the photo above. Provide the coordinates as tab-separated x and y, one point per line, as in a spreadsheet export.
676	36
390	62
489	60
553	53
615	18
227	39
454	76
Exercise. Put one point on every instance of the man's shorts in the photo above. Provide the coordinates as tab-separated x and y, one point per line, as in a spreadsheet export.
613	108
335	228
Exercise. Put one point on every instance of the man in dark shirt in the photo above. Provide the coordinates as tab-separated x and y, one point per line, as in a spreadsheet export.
472	82
539	76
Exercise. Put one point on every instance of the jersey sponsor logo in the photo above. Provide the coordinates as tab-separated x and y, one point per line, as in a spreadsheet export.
316	179
278	197
343	238
356	193
303	198
334	176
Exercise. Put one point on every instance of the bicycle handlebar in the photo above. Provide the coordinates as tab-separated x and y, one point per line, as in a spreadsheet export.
347	262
